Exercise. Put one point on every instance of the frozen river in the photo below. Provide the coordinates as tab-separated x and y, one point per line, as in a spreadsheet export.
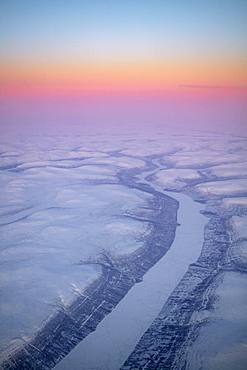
116	336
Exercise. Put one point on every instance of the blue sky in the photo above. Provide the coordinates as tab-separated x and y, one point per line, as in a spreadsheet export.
113	29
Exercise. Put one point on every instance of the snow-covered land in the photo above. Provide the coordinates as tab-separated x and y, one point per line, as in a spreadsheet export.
221	343
84	217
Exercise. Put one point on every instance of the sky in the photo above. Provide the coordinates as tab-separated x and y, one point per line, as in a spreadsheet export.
124	55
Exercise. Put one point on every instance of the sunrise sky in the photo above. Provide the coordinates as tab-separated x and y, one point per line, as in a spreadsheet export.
123	54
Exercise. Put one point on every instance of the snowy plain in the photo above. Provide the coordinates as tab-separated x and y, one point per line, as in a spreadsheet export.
62	201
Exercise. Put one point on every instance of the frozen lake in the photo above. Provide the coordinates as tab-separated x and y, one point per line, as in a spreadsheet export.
116	336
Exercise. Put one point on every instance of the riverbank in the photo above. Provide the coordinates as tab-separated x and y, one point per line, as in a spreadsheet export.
73	323
165	343
117	335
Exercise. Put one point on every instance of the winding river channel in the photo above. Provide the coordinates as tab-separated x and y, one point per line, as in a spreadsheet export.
117	334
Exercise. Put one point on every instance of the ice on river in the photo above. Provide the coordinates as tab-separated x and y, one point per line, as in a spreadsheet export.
61	202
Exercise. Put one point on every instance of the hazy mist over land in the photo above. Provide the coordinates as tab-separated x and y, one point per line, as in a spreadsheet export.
212	113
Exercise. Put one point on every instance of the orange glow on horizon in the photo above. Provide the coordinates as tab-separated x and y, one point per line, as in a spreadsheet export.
120	77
